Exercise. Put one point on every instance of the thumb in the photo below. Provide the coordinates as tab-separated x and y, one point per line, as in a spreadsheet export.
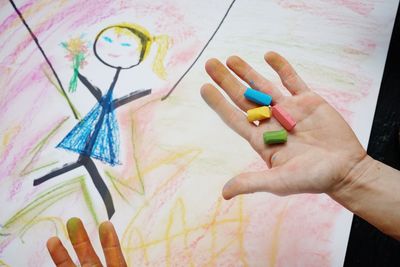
274	180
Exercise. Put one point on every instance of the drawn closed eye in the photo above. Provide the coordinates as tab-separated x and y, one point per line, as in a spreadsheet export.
107	39
126	44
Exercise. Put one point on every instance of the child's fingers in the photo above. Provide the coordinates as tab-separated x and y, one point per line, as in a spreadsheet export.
58	253
232	86
81	243
233	117
111	246
286	72
252	77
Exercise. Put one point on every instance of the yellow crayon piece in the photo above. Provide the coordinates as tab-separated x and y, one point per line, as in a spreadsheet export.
258	114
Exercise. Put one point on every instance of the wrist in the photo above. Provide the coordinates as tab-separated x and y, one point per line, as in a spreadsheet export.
355	183
371	190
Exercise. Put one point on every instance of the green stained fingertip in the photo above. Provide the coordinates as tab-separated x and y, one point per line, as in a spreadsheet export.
73	227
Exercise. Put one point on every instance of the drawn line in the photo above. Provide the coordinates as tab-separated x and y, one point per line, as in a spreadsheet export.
3	234
45	56
201	52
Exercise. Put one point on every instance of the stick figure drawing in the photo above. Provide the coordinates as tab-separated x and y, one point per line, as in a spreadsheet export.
96	136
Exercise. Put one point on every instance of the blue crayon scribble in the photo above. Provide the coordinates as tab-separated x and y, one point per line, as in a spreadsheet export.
107	39
97	134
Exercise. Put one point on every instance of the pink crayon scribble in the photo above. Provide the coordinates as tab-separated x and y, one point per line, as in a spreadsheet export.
360	7
307	231
15	188
292	231
185	55
12	20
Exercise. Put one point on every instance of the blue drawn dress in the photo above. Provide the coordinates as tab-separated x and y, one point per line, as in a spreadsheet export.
97	134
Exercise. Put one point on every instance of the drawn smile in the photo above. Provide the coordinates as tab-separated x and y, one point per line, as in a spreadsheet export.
113	55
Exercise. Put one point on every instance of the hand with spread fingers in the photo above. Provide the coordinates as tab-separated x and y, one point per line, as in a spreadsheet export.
320	138
321	155
83	247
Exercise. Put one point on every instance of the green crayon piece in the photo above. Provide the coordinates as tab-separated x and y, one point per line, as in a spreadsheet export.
275	137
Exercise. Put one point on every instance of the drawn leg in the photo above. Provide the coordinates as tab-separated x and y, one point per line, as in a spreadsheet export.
99	184
66	168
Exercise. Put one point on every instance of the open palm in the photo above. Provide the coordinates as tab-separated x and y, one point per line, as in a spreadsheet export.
320	151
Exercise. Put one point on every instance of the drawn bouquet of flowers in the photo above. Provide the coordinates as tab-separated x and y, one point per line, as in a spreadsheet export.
77	51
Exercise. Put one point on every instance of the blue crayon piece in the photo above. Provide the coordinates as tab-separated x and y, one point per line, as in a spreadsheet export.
257	97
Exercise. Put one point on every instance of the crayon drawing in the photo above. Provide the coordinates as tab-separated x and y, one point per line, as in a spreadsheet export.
101	117
119	47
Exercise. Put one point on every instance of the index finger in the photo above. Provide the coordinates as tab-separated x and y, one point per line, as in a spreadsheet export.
111	246
81	243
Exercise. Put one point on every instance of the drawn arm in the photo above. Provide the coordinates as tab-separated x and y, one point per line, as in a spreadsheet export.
130	97
93	89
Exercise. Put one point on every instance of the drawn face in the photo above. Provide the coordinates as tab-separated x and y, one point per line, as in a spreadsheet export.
118	47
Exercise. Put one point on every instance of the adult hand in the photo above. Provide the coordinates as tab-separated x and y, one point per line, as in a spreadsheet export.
83	247
321	150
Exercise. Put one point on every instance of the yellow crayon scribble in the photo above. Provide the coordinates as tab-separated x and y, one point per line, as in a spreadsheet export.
76	46
275	236
187	156
241	230
178	230
3	264
8	136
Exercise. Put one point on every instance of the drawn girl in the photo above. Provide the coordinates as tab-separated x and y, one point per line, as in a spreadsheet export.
120	47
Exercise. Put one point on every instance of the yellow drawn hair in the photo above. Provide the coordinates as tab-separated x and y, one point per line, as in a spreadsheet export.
146	40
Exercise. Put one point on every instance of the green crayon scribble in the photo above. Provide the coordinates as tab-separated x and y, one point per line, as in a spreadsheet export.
135	156
44	201
56	222
40	167
115	181
76	113
89	202
76	63
3	264
27	217
39	147
76	53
